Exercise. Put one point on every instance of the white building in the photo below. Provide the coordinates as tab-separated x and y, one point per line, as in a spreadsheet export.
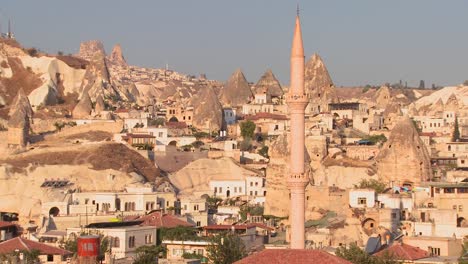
229	115
362	198
228	188
124	240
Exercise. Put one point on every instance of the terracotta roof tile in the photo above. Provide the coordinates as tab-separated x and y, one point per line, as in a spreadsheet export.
158	219
6	224
228	227
292	256
404	252
28	245
266	116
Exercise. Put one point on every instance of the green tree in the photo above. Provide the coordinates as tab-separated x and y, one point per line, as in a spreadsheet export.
358	256
247	129
456	131
250	209
213	202
148	254
374	184
263	151
179	233
226	249
245	144
192	255
377	138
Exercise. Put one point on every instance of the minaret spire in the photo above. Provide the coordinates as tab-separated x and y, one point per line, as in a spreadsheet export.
297	102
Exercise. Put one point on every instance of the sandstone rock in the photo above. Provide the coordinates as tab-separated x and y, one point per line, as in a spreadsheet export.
382	97
317	77
236	91
197	174
89	49
99	106
44	95
460	92
404	157
83	108
269	83
207	110
452	103
318	85
21	101
117	57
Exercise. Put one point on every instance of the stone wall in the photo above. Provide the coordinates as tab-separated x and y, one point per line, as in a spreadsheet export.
362	152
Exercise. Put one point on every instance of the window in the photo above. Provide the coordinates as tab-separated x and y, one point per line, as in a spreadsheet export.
434	251
240	189
235	189
195	207
251	184
362	200
460	208
131	242
200	252
256	183
255	193
220	189
393	215
198	223
251	193
216	189
160	134
116	242
148	239
50	258
449	190
454	207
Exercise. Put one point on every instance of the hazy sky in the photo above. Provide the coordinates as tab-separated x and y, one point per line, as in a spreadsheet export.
361	41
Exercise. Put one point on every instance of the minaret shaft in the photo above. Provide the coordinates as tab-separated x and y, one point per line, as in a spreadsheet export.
297	102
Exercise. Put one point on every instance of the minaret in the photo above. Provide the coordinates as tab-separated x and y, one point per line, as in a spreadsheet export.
297	102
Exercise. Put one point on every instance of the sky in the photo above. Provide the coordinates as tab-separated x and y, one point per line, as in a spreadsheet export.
361	41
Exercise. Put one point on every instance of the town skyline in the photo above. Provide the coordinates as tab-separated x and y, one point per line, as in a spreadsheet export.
217	38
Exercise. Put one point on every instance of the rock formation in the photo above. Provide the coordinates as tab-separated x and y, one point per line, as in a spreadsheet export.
196	175
382	97
89	49
99	106
89	167
236	91
318	85
207	110
96	79
116	57
404	157
21	101
425	103
83	108
452	103
269	83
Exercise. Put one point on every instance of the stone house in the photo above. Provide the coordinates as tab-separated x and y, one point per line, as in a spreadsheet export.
175	249
124	237
361	198
436	246
48	254
269	124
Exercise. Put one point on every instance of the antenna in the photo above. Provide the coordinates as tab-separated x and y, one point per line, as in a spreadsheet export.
297	9
9	28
